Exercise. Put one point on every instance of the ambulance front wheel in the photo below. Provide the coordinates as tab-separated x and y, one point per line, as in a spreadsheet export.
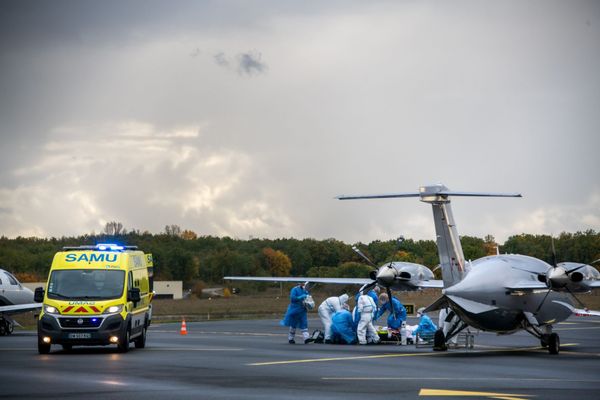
140	341
123	345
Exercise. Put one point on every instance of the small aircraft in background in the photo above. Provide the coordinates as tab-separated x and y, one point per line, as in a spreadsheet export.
500	293
14	299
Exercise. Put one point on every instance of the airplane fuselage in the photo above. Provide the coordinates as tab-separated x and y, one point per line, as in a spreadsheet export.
482	299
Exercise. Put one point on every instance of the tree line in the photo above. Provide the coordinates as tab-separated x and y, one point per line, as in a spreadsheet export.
184	255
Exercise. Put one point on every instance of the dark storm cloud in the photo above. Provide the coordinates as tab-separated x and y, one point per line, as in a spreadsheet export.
250	63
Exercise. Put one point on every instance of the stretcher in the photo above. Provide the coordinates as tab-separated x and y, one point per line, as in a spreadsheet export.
392	337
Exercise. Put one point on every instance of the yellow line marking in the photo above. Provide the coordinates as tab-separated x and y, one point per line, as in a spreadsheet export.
310	360
464	393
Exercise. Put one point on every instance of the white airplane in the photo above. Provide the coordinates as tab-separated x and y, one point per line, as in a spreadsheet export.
14	299
501	293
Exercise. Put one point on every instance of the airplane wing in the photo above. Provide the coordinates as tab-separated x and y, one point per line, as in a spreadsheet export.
580	312
527	285
340	281
19	308
595	284
438	284
431	284
584	285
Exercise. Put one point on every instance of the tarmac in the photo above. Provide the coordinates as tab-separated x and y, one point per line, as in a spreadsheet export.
252	360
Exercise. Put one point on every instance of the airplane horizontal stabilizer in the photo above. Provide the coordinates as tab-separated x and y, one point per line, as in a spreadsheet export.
580	312
340	281
378	196
477	194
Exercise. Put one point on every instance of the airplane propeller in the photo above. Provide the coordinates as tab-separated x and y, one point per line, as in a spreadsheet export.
558	277
372	274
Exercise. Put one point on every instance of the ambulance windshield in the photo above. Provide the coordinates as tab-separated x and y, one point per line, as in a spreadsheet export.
89	284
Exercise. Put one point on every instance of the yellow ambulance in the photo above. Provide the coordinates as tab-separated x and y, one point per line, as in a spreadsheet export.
96	295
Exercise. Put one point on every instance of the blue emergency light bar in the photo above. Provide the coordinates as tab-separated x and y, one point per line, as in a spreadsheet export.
101	247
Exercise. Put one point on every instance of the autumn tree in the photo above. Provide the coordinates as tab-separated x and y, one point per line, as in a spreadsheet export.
276	262
189	235
490	245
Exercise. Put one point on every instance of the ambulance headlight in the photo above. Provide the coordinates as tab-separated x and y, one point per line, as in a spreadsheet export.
51	310
114	309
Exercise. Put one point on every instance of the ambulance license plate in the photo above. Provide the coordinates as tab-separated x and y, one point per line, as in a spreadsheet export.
80	335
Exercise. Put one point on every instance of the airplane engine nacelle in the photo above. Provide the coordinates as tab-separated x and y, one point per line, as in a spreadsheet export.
576	276
373	274
405	275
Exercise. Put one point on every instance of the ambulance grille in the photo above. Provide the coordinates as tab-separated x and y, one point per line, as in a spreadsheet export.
80	322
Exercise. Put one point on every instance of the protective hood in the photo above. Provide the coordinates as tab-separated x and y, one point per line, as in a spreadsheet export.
343	298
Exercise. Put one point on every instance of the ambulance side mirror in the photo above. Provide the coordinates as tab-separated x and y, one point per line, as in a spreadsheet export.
134	295
38	295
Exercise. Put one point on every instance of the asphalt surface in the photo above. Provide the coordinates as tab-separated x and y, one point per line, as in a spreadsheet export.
252	360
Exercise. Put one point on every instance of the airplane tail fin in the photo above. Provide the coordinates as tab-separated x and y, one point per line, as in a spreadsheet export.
452	259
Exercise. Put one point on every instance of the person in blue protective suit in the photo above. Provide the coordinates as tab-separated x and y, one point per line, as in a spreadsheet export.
393	321
295	316
426	326
342	328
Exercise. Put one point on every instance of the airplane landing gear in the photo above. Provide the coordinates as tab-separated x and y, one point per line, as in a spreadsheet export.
544	340
553	343
6	327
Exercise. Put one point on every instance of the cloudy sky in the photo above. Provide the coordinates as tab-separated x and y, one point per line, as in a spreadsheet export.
246	118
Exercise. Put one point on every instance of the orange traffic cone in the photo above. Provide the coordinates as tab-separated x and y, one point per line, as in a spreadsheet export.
183	330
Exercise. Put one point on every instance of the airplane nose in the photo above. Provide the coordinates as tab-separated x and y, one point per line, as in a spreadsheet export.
385	276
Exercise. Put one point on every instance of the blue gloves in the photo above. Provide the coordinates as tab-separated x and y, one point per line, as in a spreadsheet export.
302	296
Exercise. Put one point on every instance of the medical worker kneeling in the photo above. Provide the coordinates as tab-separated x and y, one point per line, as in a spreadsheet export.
328	308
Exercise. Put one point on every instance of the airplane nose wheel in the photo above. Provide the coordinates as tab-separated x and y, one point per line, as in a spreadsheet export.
544	341
553	343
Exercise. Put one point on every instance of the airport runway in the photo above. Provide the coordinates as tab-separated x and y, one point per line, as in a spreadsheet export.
252	360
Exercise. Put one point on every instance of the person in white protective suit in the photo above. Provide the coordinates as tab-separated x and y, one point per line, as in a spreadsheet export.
447	318
328	308
366	308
